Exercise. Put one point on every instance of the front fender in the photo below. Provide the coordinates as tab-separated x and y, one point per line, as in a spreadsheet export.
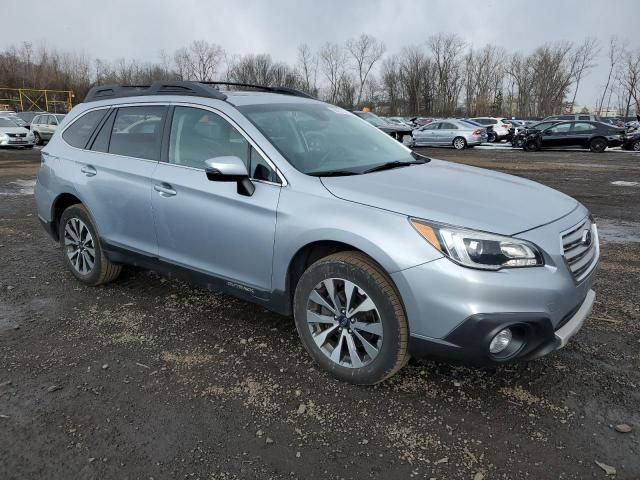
387	237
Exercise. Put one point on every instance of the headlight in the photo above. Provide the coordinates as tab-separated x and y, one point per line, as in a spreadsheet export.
3	136
479	249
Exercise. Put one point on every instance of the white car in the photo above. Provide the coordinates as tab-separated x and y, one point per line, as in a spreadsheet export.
11	135
500	125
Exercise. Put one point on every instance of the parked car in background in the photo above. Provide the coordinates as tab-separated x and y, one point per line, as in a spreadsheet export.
14	118
399	121
44	126
449	132
379	253
518	140
421	121
632	141
12	135
402	133
500	126
28	117
596	136
491	135
570	116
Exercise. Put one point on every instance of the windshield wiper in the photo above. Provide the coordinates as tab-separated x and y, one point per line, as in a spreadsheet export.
333	173
394	164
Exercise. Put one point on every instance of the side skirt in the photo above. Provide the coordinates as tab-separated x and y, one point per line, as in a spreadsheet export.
273	301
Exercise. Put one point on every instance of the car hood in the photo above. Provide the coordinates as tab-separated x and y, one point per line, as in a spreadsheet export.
13	130
458	195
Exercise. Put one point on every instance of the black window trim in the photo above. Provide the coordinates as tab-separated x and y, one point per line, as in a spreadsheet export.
78	118
252	144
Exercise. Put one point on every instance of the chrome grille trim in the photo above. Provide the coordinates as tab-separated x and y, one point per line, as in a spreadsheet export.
579	258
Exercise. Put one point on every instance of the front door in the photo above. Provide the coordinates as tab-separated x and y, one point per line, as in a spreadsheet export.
208	226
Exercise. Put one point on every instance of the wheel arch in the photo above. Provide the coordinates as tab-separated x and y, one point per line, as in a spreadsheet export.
59	205
313	251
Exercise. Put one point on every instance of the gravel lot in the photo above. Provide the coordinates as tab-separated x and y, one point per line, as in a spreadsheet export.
150	378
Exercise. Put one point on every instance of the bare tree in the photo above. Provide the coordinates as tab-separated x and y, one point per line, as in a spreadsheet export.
308	68
200	61
614	54
332	62
446	51
584	56
365	51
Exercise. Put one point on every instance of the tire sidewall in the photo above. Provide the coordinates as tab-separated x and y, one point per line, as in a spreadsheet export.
77	211
464	143
387	358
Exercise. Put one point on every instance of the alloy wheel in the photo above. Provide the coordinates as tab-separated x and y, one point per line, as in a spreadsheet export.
458	143
344	323
79	246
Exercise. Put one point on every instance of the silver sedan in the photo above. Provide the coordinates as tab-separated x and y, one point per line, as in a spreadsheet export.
449	132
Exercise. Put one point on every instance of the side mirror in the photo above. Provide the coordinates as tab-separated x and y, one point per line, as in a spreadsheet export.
230	169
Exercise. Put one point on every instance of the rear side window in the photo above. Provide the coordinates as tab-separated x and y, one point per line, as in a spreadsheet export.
137	132
579	127
447	126
78	134
101	142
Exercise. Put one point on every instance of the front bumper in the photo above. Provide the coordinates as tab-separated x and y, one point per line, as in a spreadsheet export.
534	337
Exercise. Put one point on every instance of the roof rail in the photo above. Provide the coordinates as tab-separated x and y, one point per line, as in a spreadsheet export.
274	89
198	89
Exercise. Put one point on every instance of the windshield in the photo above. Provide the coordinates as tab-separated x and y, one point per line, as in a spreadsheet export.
5	122
319	139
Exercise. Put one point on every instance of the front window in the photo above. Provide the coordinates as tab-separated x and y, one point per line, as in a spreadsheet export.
322	139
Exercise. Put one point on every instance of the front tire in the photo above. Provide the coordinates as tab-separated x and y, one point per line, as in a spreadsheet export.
635	146
82	250
531	146
350	318
598	145
459	143
37	138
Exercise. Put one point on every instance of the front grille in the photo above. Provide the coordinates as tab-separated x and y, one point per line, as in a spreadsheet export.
17	135
580	248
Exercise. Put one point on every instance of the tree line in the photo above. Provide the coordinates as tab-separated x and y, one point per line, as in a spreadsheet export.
444	76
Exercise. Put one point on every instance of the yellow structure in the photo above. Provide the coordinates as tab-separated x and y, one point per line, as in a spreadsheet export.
25	99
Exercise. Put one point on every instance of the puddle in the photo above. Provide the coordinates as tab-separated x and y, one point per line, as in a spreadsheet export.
619	232
622	183
19	188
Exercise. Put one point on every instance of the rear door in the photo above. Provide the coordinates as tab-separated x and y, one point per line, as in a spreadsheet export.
581	133
115	175
208	226
446	133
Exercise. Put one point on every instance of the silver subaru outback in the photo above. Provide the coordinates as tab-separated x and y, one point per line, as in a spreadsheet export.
379	253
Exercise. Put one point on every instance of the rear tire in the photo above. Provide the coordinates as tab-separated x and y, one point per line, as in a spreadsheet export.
365	344
598	145
82	250
459	143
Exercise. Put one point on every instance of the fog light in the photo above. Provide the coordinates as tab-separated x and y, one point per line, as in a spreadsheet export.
501	341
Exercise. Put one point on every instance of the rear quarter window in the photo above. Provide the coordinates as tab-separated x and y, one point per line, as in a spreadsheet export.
79	132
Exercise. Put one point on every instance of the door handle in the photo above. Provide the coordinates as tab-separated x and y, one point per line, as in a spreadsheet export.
89	171
165	190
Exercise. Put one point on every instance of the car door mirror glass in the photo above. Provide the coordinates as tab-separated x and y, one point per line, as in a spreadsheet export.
230	169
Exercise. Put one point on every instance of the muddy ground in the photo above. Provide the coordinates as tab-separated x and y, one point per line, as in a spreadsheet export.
150	378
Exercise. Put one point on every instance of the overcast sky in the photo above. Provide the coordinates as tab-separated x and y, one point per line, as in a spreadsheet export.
141	28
